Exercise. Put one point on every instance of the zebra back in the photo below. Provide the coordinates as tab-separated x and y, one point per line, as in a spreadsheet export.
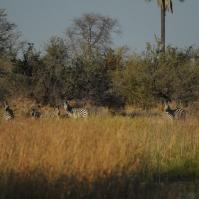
8	113
76	112
180	114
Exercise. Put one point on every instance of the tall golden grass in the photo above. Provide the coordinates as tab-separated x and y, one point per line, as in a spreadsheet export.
103	157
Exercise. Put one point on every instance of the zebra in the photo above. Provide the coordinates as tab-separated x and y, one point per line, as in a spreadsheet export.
61	116
175	113
8	114
75	112
35	114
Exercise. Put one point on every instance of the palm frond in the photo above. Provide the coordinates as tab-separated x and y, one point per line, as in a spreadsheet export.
160	3
168	4
171	6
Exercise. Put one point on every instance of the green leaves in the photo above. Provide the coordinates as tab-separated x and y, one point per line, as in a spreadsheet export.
173	73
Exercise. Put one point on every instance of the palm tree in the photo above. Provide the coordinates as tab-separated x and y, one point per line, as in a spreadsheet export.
165	6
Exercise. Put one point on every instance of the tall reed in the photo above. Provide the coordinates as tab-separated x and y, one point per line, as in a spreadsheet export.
102	157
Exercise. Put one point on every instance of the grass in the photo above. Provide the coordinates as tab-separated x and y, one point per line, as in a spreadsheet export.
103	157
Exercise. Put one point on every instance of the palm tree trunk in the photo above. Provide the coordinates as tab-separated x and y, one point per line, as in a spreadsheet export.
163	25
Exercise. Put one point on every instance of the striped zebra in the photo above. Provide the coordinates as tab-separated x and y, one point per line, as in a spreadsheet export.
34	114
8	114
75	112
59	115
175	113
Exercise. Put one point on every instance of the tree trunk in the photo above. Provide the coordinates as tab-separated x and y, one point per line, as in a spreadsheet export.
163	25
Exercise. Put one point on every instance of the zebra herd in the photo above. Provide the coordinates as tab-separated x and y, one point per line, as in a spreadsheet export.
70	112
172	114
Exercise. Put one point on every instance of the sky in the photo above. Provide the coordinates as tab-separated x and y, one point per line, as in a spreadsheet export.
39	20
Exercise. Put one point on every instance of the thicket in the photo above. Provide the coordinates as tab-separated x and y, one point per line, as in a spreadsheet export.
78	68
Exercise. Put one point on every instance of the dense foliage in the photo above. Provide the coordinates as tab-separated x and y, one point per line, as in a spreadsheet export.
86	68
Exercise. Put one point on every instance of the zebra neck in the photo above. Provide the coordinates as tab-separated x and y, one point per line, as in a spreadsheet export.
168	109
69	108
7	109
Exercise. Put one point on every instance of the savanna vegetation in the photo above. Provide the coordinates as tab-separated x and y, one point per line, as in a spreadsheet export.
105	156
82	65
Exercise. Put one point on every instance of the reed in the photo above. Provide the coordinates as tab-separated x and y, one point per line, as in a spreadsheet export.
103	157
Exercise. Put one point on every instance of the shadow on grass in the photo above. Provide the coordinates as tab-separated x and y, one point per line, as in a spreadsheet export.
16	185
144	114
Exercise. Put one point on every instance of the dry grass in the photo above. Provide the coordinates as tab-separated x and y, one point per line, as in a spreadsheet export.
99	158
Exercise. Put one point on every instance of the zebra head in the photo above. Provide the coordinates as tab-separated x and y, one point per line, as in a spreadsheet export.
67	106
6	106
166	106
32	111
58	110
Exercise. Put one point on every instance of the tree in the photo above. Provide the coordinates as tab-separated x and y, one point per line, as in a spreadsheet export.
29	61
165	6
49	78
23	69
9	46
9	43
89	76
174	73
91	34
